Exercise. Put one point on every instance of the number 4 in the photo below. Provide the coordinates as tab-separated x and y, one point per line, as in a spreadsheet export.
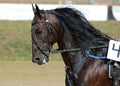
118	54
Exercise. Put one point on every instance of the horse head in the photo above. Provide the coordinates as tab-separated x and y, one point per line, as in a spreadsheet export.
43	35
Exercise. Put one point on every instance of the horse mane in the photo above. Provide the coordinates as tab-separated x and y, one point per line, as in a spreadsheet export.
85	34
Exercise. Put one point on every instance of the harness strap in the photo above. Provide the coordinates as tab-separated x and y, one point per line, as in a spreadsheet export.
93	56
78	66
72	75
114	72
68	77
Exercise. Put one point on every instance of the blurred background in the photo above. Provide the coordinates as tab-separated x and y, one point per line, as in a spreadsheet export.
16	68
108	2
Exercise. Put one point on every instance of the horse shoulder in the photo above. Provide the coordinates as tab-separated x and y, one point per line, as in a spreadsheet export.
95	74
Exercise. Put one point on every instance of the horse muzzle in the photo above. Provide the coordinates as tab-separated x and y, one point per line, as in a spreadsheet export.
42	59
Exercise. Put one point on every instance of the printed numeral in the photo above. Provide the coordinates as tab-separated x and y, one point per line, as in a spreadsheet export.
118	54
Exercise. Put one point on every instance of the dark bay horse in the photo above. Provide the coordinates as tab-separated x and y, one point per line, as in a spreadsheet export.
73	34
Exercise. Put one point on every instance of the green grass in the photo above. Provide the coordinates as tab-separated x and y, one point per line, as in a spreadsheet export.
15	38
111	28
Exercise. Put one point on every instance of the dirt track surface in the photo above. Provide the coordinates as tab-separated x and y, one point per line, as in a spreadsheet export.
29	74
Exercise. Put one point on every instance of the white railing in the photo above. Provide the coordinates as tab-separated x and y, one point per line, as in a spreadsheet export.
24	11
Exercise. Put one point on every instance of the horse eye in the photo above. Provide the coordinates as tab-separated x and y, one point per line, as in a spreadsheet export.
38	31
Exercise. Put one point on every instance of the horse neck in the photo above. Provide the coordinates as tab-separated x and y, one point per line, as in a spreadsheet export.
68	42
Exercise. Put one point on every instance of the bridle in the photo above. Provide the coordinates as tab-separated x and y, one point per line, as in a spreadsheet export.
49	28
51	31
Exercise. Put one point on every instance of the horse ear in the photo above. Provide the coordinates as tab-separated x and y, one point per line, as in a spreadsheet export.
34	10
38	11
37	8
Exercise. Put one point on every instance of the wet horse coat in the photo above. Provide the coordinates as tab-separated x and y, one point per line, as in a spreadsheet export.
70	29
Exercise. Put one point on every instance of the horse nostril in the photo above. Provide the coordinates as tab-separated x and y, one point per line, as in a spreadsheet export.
37	59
